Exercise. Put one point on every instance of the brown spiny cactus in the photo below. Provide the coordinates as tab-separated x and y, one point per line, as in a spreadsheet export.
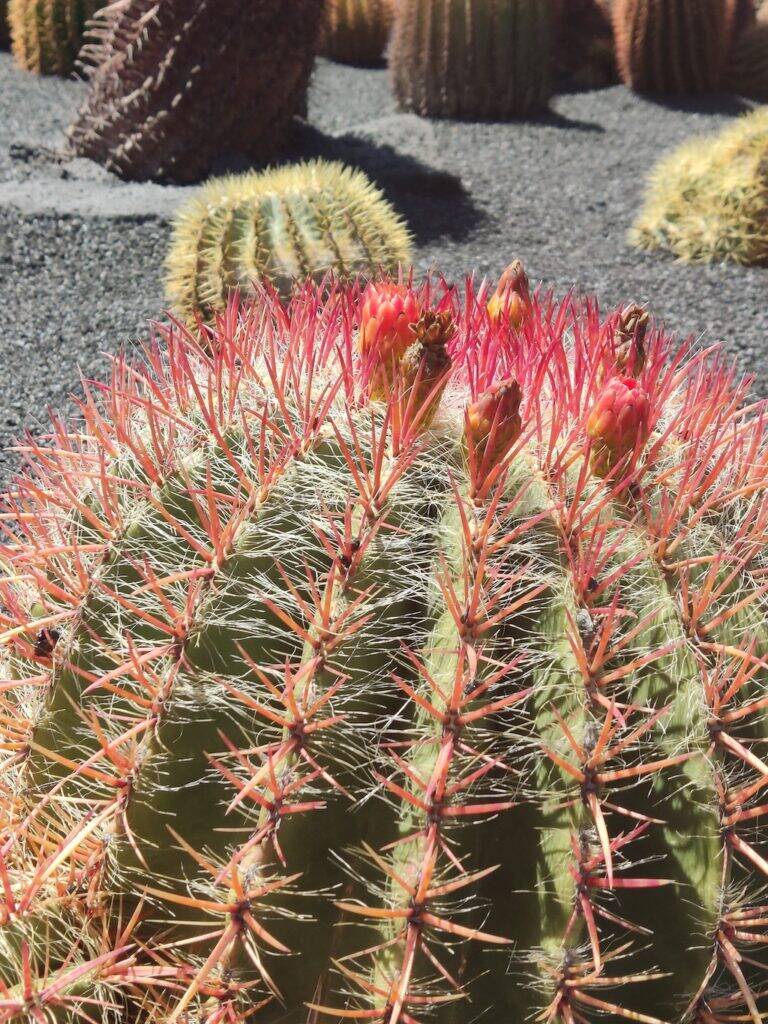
673	46
175	82
357	31
584	52
471	58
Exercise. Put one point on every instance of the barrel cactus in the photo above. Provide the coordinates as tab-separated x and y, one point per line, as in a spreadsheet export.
172	84
362	672
357	31
584	49
707	201
47	34
748	67
673	46
282	226
472	59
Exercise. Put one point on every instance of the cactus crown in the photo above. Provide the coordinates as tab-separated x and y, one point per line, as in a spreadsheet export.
280	655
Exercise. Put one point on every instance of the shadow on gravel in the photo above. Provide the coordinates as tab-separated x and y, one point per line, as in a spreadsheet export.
434	202
707	103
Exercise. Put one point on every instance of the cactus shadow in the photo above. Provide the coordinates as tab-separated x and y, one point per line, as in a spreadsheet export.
433	201
725	104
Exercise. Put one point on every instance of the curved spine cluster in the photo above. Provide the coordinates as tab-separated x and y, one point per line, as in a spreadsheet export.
438	660
172	85
283	226
46	35
450	58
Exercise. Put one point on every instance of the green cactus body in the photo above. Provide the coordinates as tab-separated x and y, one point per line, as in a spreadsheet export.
317	704
707	201
281	227
449	58
357	31
175	85
47	35
673	46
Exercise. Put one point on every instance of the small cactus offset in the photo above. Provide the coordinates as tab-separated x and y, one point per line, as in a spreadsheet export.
47	35
281	226
173	84
362	673
708	200
357	31
673	46
472	59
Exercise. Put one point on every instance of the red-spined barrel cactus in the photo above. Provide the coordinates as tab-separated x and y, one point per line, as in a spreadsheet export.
673	46
173	84
286	649
471	58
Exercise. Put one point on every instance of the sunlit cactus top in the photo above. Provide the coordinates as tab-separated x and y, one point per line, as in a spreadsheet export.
384	657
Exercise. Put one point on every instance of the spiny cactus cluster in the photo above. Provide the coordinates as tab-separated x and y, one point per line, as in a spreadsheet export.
383	612
47	34
281	226
174	84
708	200
674	46
357	31
470	58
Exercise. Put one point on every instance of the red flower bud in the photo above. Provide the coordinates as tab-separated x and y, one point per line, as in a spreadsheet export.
386	330
619	423
426	366
492	427
512	299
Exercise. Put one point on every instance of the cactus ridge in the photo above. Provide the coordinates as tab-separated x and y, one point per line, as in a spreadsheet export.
673	46
46	35
281	226
450	58
707	200
174	84
357	31
278	655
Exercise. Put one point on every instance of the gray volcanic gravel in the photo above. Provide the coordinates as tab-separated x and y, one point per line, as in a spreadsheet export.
81	254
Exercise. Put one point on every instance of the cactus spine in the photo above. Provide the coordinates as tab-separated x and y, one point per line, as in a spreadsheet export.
46	35
708	200
453	58
281	226
673	46
174	84
357	31
279	654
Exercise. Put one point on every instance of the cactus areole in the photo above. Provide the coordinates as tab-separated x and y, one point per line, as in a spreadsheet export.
341	680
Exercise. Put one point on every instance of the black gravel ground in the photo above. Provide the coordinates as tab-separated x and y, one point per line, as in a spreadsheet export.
81	254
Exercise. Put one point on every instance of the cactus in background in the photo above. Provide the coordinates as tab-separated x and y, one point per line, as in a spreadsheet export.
748	68
173	84
5	32
673	46
46	35
357	31
279	654
708	200
584	49
472	59
284	226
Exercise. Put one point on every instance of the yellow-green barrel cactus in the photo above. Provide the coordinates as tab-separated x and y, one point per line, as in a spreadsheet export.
708	200
393	658
47	35
282	226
